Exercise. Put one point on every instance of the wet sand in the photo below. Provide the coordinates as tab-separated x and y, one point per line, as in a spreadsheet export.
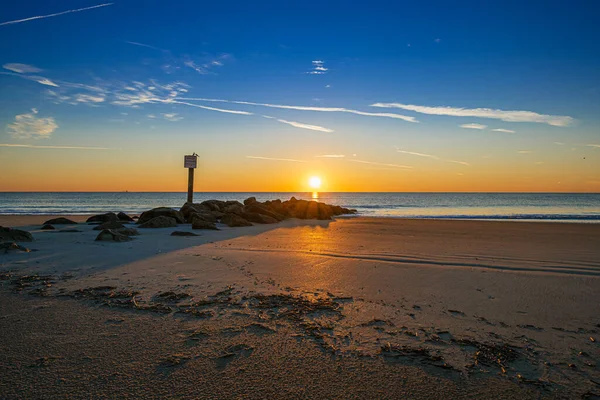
351	308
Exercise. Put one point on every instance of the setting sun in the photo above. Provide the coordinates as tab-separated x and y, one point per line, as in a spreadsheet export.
314	182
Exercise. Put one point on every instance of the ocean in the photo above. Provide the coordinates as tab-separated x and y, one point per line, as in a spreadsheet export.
577	207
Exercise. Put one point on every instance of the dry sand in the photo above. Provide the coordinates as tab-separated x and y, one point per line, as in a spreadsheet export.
352	308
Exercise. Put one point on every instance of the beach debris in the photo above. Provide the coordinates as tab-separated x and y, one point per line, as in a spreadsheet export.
6	247
394	352
199	223
60	221
166	212
109	235
109	225
234	220
14	235
35	284
102	218
121	216
182	233
592	339
47	227
456	312
159	222
490	354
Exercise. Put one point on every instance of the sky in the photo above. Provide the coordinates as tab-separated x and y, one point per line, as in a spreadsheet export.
433	96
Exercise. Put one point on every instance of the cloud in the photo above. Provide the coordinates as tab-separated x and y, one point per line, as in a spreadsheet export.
305	126
38	79
18	21
208	108
173	117
509	116
525	151
318	68
28	126
331	156
596	146
559	143
503	130
29	146
144	45
306	108
473	126
86	98
382	164
274	159
414	153
205	67
21	68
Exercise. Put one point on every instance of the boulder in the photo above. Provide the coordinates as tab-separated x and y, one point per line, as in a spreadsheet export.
181	233
259	218
109	235
234	220
214	205
159	222
109	225
259	208
249	200
161	212
60	221
207	216
127	231
193	208
15	235
199	223
234	209
68	231
47	227
102	218
124	217
12	246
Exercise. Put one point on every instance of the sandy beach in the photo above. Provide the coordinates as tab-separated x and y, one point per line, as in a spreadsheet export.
349	308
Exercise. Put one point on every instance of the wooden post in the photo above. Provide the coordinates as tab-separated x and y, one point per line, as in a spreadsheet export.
190	196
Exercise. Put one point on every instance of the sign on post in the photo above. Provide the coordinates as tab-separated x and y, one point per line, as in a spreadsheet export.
190	161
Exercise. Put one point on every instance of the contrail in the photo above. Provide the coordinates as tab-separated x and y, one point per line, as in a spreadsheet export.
18	21
29	146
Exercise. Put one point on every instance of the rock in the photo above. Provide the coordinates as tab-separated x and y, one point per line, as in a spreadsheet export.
102	218
199	223
249	200
259	218
234	209
234	220
180	233
12	246
68	231
60	221
47	227
15	235
127	231
124	217
214	205
160	222
192	208
259	208
109	225
109	235
161	212
206	216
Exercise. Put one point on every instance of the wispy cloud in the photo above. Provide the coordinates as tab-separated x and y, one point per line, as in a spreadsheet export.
509	116
21	68
525	151
305	108
559	143
414	153
331	156
87	98
473	126
207	108
596	146
503	130
382	164
38	79
205	67
173	117
275	159
30	146
305	126
28	126
318	68
143	45
18	21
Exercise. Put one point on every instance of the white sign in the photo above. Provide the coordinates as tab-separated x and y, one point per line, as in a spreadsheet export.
190	161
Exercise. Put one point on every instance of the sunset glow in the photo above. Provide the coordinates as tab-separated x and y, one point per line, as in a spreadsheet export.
315	182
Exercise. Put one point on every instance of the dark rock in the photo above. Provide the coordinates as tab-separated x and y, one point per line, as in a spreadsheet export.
109	225
68	231
250	200
60	221
206	216
109	235
234	209
127	231
12	246
102	218
159	222
124	217
259	218
234	220
191	208
15	235
199	223
161	212
47	227
180	233
214	205
259	208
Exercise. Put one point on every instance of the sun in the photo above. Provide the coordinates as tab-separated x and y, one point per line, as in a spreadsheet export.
314	182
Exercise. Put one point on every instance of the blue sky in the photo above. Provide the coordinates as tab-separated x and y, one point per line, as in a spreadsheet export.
392	85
